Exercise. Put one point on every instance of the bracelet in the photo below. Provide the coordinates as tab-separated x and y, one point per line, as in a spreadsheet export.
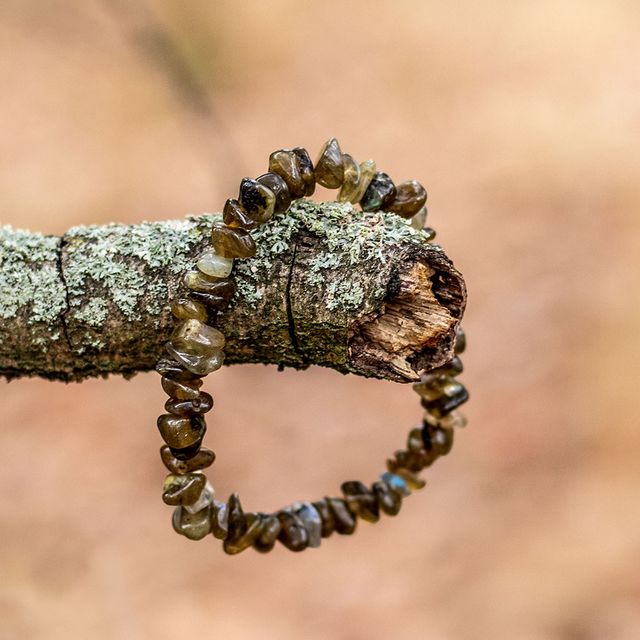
195	349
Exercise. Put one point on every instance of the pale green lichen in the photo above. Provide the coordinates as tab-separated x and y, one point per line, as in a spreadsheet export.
30	275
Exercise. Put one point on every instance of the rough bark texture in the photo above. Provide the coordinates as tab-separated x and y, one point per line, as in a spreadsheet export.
361	293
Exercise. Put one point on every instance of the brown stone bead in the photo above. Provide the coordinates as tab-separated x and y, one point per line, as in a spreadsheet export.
194	526
219	520
256	199
279	187
293	533
328	522
306	170
254	524
446	403
286	164
271	528
367	171
183	489
170	368
181	389
232	243
351	179
437	439
379	194
186	308
235	216
452	368
344	520
330	166
388	500
199	405
236	521
419	220
224	288
179	432
203	459
461	341
409	199
361	500
411	477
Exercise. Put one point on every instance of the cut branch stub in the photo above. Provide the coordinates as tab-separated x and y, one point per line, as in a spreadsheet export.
329	285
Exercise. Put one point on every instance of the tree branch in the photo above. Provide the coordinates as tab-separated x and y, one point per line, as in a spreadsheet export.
329	285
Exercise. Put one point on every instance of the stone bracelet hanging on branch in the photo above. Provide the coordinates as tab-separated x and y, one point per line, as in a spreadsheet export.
196	348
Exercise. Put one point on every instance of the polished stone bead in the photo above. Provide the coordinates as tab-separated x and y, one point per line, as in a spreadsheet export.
199	405
447	403
453	420
179	432
220	520
409	460
431	385
367	171
232	243
201	365
271	528
328	521
330	166
183	489
235	216
412	478
194	526
409	199
452	368
203	459
344	520
214	265
379	193
388	500
254	524
293	533
186	453
198	281
311	520
186	308
169	368
197	338
414	441
286	164
437	439
236	521
256	199
461	341
181	389
360	500
396	483
306	170
280	189
351	179
419	220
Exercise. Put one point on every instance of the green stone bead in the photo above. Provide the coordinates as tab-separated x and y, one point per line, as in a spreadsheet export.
235	216
203	459
232	243
351	179
185	308
367	171
419	220
256	199
279	187
361	500
179	432
182	489
197	406
271	528
181	389
379	194
194	526
409	199
293	534
286	164
344	520
388	500
328	521
214	265
329	168
306	170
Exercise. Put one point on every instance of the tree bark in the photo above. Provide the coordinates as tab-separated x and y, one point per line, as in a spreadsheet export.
329	285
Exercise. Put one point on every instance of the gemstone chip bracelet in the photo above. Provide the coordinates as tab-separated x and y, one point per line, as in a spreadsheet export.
195	349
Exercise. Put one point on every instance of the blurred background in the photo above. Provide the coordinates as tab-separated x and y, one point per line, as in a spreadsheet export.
522	119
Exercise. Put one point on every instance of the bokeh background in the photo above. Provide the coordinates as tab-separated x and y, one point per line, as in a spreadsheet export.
523	120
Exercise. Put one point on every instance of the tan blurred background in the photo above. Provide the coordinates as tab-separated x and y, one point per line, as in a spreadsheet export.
522	119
